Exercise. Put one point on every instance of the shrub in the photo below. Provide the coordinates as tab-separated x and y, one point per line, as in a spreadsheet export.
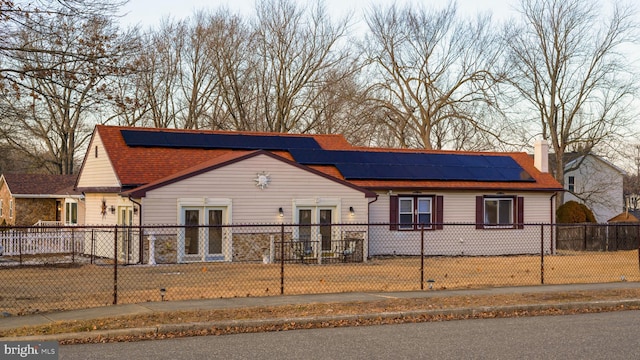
573	212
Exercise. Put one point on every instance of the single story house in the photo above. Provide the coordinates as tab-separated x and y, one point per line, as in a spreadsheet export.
40	199
189	177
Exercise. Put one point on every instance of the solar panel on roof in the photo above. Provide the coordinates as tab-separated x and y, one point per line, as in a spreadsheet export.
372	165
216	141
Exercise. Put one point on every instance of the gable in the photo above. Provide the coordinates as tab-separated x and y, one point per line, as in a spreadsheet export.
97	170
592	165
169	151
246	165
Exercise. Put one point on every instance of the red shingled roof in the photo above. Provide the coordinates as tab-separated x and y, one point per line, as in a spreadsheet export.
41	184
136	166
142	165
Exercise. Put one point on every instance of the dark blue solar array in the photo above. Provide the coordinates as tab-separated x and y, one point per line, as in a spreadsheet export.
361	165
216	141
353	165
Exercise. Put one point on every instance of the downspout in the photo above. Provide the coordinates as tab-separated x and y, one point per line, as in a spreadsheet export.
552	220
369	222
140	244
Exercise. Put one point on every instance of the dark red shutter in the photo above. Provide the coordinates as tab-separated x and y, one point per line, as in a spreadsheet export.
479	212
393	212
520	212
439	212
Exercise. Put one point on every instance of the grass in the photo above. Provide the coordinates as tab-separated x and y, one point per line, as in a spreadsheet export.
28	290
324	309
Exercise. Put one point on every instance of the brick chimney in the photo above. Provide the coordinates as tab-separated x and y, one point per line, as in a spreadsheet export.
541	155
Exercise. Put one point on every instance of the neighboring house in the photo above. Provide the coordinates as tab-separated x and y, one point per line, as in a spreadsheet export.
597	183
40	199
625	217
187	177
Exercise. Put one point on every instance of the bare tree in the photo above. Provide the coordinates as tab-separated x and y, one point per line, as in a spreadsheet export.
232	56
62	86
157	81
197	72
17	16
433	74
298	49
569	69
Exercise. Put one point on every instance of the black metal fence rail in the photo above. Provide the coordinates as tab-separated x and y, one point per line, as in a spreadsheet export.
59	268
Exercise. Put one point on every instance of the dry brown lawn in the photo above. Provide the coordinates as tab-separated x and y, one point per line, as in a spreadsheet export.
40	289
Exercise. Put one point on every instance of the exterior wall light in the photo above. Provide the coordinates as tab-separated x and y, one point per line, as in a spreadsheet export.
280	212
351	211
112	209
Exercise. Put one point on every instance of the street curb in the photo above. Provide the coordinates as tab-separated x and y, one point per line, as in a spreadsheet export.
165	329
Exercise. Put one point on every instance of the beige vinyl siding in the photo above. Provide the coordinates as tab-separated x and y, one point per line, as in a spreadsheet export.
250	204
97	172
93	209
463	239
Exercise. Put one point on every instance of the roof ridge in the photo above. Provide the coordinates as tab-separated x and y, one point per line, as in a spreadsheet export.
431	151
225	132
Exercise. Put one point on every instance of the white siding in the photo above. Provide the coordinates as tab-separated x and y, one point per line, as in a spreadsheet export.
97	171
599	186
460	208
251	204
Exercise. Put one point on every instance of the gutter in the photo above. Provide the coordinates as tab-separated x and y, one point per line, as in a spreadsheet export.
552	219
42	196
369	222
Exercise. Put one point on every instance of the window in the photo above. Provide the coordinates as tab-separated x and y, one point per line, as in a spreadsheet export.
1	207
71	213
499	212
10	208
410	212
572	184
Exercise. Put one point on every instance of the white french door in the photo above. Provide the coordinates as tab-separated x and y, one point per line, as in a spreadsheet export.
315	227
203	236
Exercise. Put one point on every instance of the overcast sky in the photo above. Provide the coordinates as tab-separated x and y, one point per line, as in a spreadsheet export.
149	12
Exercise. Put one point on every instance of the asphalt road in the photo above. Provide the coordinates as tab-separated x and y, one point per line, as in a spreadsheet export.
587	336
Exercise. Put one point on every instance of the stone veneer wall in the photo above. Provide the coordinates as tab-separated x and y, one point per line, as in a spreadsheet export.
27	212
166	249
246	246
252	247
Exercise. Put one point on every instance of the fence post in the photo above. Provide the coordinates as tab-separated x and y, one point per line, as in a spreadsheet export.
20	245
552	230
93	245
282	259
73	247
115	265
542	254
140	244
422	257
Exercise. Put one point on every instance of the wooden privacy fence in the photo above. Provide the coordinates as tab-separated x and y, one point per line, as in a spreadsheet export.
598	237
59	241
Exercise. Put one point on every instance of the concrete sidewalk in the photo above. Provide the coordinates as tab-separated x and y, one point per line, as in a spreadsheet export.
216	304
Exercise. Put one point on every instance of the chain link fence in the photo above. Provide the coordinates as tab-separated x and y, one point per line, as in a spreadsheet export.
59	268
